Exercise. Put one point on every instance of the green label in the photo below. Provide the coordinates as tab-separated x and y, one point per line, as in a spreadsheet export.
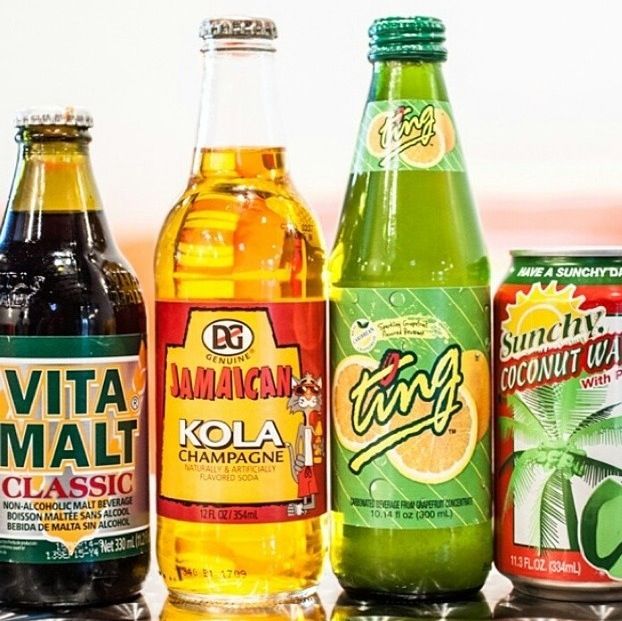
73	448
411	407
408	134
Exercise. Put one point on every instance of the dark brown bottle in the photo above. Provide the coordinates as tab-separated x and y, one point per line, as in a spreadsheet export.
73	425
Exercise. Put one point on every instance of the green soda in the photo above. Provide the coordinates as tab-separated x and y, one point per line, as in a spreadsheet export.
410	340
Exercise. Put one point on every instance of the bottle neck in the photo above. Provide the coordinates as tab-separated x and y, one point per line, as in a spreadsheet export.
53	195
238	106
53	174
393	79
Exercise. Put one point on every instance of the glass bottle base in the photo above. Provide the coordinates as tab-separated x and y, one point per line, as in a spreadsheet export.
72	585
367	595
206	601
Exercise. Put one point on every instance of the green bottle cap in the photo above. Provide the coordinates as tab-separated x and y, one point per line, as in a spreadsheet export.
407	38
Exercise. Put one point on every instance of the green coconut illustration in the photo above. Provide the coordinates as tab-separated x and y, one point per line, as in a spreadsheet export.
601	528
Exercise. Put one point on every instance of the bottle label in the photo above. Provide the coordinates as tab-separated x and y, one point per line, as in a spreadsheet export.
411	407
73	449
241	417
408	134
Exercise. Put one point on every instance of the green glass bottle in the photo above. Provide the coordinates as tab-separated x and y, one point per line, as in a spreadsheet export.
410	346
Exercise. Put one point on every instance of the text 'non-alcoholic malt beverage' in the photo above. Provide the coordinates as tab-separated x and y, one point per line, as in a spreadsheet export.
74	497
558	462
410	340
241	376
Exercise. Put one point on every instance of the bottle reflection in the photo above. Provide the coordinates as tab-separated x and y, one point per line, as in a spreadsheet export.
309	609
519	606
134	610
347	609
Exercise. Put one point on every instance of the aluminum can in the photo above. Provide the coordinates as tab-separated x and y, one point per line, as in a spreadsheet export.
558	423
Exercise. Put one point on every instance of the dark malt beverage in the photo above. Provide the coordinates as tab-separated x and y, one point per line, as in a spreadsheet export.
73	428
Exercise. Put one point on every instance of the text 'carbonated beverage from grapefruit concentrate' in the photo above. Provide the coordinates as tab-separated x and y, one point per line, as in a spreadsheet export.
558	406
410	339
241	375
74	496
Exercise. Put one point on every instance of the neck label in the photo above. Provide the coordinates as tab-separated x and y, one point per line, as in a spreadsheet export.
408	134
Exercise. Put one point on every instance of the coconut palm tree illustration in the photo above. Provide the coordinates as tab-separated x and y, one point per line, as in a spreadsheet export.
558	425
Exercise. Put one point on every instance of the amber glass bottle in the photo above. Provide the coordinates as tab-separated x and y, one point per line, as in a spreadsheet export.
241	338
73	426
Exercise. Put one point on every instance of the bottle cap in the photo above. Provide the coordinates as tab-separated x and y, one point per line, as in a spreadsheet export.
407	38
238	28
54	115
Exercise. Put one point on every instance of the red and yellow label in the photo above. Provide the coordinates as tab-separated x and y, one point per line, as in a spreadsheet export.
241	418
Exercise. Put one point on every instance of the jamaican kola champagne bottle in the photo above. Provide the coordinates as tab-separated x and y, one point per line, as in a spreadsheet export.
241	376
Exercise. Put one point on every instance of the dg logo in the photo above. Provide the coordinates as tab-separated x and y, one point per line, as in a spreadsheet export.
228	337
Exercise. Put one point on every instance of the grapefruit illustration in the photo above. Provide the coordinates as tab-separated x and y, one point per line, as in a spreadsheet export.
374	136
445	126
346	376
476	372
429	458
425	156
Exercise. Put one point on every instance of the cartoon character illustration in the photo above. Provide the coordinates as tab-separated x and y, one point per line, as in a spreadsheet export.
308	448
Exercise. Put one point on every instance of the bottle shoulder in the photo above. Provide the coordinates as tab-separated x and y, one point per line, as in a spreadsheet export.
239	196
228	230
409	229
67	290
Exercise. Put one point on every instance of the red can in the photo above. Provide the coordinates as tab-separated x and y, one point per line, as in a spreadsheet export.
558	424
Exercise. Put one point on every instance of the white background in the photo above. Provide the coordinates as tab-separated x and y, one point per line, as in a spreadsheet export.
535	86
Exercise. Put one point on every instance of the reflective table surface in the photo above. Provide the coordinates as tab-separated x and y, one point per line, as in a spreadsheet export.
497	601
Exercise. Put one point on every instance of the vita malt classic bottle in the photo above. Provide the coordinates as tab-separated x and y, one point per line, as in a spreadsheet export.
241	338
74	522
410	339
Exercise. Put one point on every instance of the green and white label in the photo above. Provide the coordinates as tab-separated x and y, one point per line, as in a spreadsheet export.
408	134
73	449
411	407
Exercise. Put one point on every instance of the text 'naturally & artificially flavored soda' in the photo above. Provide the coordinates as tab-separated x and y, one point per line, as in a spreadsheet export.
558	463
241	375
74	497
410	339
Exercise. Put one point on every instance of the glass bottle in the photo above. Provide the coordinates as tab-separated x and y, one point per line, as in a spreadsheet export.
241	338
410	339
74	501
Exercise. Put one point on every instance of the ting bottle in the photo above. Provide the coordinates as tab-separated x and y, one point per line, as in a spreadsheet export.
241	339
410	339
74	521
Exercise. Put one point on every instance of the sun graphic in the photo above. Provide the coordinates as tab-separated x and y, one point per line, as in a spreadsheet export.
542	308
